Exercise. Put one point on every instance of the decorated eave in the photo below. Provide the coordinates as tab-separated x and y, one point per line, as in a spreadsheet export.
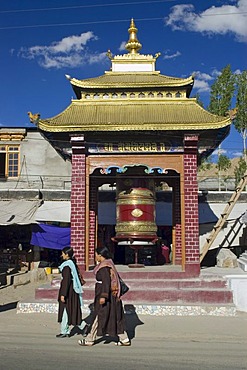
134	115
114	81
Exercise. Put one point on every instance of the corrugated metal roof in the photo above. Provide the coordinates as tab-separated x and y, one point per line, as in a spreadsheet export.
126	80
138	115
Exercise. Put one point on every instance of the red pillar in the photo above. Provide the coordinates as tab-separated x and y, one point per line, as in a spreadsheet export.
93	206
192	247
177	248
78	199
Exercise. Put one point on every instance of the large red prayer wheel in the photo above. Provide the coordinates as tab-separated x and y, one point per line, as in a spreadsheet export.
136	215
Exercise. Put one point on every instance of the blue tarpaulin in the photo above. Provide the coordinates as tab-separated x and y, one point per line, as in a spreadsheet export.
49	236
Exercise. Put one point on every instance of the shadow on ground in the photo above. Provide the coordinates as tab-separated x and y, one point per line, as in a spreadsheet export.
8	306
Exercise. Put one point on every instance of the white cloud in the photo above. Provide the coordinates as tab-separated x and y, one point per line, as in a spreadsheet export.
220	151
202	81
237	154
122	46
70	52
215	20
201	86
172	56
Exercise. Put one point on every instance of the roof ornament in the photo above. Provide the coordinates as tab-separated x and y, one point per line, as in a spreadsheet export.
109	54
133	45
34	118
232	113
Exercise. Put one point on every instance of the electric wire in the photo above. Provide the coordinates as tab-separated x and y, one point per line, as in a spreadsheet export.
86	6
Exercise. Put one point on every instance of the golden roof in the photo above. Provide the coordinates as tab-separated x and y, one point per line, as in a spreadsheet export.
114	80
133	115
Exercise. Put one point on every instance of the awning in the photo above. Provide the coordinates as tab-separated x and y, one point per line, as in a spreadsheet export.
21	212
56	211
49	236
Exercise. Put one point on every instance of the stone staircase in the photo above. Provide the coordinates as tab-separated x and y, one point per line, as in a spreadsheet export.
242	261
151	293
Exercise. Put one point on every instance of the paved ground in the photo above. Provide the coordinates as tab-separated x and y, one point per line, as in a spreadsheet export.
189	343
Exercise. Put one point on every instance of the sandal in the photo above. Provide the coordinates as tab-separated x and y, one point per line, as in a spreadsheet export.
123	343
84	343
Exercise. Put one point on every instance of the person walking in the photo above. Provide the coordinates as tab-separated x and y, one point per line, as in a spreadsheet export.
108	308
70	294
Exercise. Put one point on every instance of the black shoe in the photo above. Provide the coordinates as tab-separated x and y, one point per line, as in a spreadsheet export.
62	336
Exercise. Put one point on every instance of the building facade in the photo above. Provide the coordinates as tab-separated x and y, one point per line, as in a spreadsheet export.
136	131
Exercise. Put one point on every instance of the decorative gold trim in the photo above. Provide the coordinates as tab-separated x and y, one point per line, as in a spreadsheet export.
134	201
137	212
136	227
144	127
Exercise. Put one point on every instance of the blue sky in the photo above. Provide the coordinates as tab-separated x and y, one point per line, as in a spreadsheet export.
42	40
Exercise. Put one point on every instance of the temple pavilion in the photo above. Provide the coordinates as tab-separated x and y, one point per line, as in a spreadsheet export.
137	131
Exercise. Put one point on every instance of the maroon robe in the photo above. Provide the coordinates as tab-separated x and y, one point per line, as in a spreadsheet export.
72	300
110	315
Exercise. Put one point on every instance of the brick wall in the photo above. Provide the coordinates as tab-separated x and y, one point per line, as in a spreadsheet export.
78	199
93	205
191	201
177	221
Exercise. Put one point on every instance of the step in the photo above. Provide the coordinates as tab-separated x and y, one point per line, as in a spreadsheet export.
242	263
156	291
158	283
171	309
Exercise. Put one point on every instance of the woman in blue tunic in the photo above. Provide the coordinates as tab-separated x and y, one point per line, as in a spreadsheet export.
70	294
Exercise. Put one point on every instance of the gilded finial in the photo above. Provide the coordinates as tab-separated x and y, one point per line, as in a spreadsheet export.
133	45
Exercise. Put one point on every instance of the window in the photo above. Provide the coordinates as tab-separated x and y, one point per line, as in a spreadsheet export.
9	161
178	95
169	95
141	95
160	95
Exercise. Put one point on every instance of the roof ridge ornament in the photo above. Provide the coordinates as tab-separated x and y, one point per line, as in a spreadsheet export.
133	45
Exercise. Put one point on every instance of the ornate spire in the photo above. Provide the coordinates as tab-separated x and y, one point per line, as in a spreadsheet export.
133	45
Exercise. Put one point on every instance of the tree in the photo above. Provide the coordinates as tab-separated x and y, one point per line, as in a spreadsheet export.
240	122
223	164
206	164
198	100
240	170
222	91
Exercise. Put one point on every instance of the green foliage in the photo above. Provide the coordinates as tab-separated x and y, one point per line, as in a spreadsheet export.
240	170
240	122
222	92
223	163
206	164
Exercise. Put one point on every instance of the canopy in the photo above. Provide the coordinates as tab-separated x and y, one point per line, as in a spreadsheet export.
49	236
58	211
21	212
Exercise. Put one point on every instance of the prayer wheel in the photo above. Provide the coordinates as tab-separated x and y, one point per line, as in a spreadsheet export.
135	215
